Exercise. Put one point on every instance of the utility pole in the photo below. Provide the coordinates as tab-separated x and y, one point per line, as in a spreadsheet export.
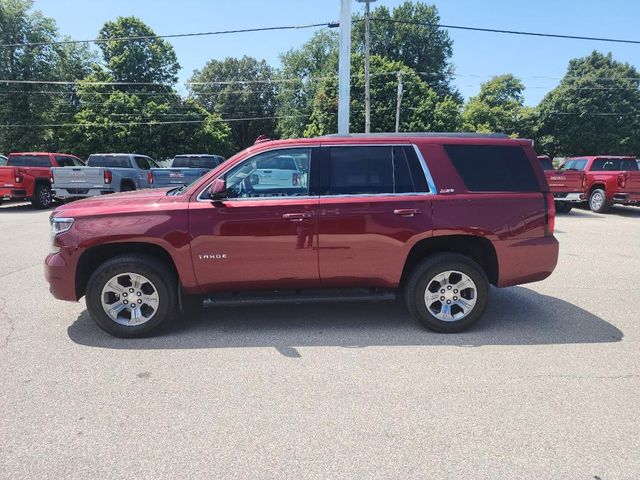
367	85
344	67
399	101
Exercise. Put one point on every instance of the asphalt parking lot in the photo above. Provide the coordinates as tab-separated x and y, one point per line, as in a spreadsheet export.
547	385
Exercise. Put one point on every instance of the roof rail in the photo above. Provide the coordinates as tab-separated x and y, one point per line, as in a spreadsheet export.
419	134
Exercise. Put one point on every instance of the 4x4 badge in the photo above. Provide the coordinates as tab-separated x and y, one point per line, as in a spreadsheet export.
447	190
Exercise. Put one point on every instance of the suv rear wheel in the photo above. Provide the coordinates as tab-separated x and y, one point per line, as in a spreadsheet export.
131	295
447	292
598	201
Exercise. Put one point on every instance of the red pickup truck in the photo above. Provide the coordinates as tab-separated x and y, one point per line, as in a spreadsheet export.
27	176
608	180
567	186
433	218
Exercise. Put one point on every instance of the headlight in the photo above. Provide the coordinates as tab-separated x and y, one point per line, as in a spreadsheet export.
59	225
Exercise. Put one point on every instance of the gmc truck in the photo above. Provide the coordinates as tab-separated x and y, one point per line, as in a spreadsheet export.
608	180
105	173
434	219
27	176
184	170
566	185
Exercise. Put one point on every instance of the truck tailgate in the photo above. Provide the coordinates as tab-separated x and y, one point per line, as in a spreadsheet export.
564	181
632	182
169	177
77	177
7	176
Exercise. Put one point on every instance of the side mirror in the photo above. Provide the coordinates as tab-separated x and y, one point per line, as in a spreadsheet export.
218	189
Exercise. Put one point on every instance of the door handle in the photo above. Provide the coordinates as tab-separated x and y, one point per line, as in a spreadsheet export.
297	217
407	212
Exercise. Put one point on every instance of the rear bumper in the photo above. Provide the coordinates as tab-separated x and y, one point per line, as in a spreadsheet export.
12	193
574	197
63	193
61	277
627	198
526	261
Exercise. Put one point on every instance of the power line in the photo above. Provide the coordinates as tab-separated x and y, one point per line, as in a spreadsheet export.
176	122
176	35
509	32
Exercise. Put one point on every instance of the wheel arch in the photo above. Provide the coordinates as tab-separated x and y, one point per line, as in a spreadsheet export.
479	249
93	257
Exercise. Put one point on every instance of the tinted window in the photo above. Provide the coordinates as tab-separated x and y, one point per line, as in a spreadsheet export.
64	161
112	161
628	164
29	161
197	162
486	168
613	164
546	163
145	163
360	170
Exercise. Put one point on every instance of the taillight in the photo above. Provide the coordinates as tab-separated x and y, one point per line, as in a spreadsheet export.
295	179
622	180
19	174
549	215
150	177
584	181
107	176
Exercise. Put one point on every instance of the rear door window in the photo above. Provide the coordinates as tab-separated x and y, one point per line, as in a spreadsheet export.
29	161
144	163
65	161
112	161
488	168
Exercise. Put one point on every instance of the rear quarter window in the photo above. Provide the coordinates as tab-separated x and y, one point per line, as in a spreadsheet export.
488	168
112	161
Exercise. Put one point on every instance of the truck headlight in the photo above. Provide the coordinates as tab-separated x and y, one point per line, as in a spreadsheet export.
59	225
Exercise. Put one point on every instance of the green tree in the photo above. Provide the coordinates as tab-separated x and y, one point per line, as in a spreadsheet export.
405	35
139	60
151	119
219	88
421	109
499	107
594	110
315	60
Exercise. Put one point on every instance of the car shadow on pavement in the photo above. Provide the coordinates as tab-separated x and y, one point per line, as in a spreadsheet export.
516	316
623	211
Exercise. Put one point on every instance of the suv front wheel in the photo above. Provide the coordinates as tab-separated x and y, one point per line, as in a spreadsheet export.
131	295
447	292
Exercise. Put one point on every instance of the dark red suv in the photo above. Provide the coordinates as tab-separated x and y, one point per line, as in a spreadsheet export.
434	218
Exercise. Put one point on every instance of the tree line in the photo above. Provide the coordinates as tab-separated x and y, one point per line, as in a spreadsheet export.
593	110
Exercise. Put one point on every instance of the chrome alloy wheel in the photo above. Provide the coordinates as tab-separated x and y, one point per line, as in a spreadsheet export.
597	200
450	296
44	196
130	299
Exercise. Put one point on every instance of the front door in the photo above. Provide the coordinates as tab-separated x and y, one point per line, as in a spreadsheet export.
264	235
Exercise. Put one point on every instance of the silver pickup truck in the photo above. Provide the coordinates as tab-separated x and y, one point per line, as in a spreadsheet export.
104	173
184	170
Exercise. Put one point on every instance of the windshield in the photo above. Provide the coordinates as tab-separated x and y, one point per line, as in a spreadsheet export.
113	161
200	161
577	164
29	161
3	160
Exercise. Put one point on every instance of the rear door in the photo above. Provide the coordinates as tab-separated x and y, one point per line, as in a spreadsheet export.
144	177
374	200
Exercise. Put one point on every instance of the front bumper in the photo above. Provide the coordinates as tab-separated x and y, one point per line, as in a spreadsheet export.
573	197
61	277
64	193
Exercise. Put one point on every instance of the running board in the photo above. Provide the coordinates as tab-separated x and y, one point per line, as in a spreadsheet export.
299	296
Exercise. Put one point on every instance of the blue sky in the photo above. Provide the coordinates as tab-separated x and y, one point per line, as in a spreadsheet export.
477	56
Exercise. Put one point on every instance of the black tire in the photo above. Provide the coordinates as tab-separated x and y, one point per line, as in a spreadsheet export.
422	276
563	207
127	187
42	196
598	201
160	276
